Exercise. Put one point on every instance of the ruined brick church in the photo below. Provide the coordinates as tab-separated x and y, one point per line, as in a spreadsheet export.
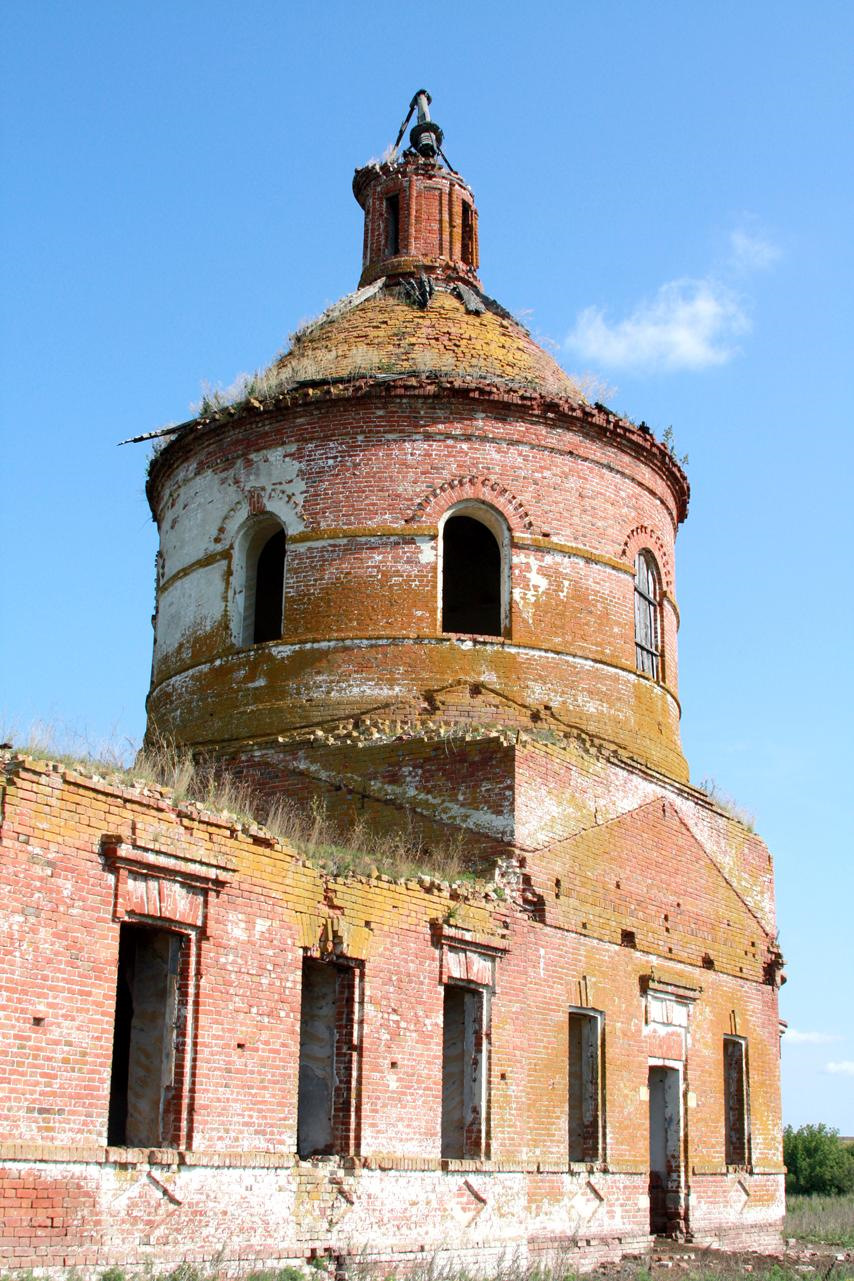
414	578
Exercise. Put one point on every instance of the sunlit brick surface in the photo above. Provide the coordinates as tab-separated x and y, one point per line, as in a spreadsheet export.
612	897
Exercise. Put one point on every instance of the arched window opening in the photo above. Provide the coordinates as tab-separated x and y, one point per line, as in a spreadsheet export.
269	590
647	603
471	578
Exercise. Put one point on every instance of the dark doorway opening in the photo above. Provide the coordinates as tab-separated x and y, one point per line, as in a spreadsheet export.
665	1151
326	1113
463	1069
142	1083
471	578
270	589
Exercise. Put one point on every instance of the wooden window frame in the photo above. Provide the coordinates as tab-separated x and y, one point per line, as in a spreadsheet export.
647	603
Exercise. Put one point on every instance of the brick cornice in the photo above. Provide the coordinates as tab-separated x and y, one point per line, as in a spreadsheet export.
559	411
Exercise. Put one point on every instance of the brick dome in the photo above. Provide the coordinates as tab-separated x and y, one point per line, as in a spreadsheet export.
414	406
448	330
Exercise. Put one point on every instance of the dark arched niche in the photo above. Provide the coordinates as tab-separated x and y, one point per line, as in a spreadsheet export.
269	590
471	577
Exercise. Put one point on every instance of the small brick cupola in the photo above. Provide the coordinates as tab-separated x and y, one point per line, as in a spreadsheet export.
420	215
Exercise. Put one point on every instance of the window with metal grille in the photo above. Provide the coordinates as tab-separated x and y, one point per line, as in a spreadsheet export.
647	604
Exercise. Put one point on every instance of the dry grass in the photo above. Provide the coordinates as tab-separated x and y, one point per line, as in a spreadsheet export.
726	803
259	389
705	1266
593	388
351	850
825	1219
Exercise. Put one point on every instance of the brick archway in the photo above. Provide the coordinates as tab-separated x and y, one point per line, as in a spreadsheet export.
481	489
643	536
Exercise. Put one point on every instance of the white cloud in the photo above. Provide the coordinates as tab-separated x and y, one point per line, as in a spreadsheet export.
749	252
688	324
794	1037
844	1067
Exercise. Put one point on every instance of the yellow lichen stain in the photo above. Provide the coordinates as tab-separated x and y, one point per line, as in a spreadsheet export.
384	334
653	718
195	648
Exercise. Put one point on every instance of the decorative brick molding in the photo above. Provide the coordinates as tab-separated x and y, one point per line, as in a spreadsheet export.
643	536
480	489
466	959
160	886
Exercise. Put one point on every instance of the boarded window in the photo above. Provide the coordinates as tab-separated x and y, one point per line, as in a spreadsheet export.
392	226
585	1127
143	1091
269	589
647	596
463	1073
325	1117
736	1110
471	578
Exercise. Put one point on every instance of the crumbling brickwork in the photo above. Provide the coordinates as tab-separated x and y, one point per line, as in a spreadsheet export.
216	1050
82	858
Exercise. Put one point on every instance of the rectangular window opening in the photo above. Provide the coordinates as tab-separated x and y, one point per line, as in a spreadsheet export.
326	1112
736	1102
464	1073
585	1110
392	226
150	1003
467	236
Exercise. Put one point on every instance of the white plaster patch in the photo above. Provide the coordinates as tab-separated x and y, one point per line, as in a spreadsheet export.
207	508
236	927
427	552
476	820
526	567
191	604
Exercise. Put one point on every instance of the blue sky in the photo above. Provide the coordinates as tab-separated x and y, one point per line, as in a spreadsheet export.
665	195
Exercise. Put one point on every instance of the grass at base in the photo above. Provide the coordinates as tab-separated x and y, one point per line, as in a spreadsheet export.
825	1219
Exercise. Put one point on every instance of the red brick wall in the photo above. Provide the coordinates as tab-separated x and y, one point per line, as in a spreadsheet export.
430	202
235	1188
362	607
